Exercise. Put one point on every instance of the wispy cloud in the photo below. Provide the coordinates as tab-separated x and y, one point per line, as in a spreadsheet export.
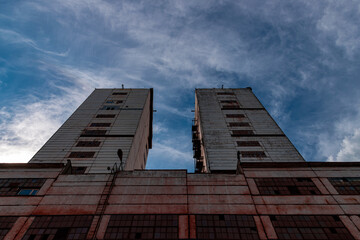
16	38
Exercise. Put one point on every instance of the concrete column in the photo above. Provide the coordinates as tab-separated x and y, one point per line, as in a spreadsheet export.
183	227
260	227
269	229
20	234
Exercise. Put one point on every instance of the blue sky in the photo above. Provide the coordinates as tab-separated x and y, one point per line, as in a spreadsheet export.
302	59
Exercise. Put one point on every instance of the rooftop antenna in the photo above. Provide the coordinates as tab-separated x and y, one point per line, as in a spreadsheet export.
122	86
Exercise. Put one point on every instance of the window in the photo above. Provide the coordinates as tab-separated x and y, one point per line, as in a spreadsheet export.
110	108
239	124
248	144
105	116
114	101
81	154
235	115
27	191
346	186
94	132
286	186
229	101
238	133
88	144
225	93
59	227
119	93
224	226
230	107
6	223
142	227
309	227
100	124
12	186
253	154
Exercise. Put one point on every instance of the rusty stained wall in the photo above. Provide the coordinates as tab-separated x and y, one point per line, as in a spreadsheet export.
219	137
123	128
182	194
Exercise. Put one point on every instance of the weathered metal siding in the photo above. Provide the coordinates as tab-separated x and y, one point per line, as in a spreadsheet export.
124	127
215	107
219	146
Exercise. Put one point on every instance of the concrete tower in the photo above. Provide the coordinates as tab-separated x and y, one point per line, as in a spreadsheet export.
232	125
109	123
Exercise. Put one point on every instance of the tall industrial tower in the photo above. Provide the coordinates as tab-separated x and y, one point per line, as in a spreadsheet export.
109	123
231	126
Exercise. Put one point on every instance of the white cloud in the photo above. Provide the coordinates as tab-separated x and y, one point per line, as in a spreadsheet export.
16	38
341	19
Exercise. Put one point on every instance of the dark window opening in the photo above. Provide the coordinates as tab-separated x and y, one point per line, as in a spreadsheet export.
110	108
138	235
45	237
229	101
254	154
225	93
114	101
235	115
32	237
105	116
61	234
81	154
239	124
94	132
100	124
293	190
248	144
88	144
119	93
286	186
238	133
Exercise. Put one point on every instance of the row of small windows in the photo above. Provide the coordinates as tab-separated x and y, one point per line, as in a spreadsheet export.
20	186
209	226
286	186
309	227
59	228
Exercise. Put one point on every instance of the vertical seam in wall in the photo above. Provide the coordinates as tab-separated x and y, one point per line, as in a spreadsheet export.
257	213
